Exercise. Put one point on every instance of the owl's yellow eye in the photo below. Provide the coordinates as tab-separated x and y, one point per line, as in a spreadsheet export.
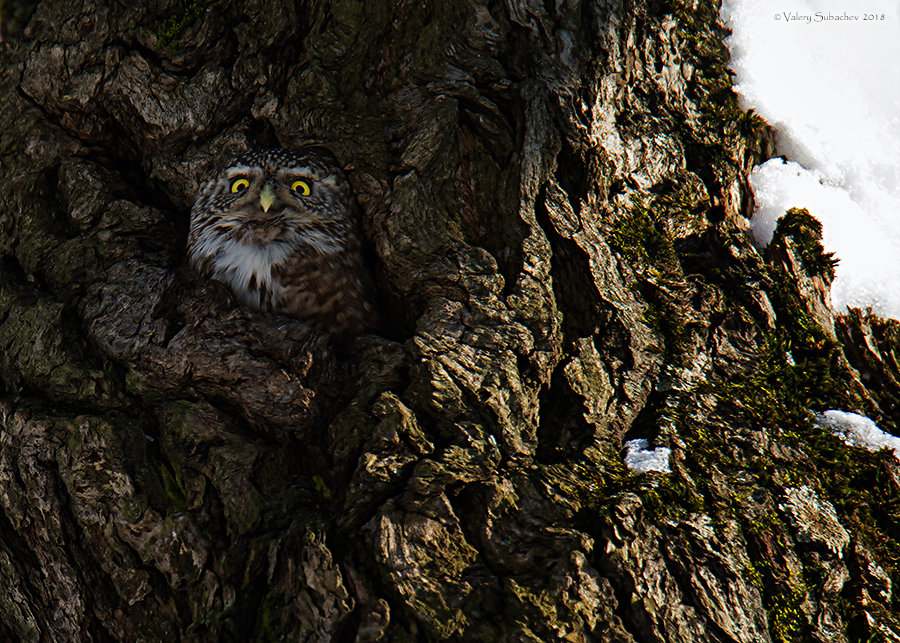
300	187
239	185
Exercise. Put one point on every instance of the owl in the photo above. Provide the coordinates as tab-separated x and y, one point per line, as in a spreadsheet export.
279	228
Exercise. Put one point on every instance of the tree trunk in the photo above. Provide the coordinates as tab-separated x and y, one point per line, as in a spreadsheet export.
555	196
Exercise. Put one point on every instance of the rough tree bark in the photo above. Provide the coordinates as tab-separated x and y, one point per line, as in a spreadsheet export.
556	196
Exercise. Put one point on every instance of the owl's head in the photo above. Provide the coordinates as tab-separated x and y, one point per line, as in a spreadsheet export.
268	194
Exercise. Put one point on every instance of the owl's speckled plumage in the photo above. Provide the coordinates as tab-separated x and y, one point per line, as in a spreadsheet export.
279	249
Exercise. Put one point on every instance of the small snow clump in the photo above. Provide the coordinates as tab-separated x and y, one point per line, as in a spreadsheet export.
639	459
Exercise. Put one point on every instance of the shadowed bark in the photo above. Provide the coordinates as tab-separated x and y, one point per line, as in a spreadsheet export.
555	196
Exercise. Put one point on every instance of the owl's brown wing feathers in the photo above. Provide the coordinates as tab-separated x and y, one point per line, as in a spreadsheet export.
332	292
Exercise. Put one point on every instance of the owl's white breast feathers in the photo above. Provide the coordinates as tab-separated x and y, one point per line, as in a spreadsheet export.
239	265
247	268
247	261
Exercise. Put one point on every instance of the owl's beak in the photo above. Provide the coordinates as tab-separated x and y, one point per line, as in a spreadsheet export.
267	197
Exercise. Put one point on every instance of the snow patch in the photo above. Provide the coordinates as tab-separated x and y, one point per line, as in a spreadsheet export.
830	88
641	460
858	431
